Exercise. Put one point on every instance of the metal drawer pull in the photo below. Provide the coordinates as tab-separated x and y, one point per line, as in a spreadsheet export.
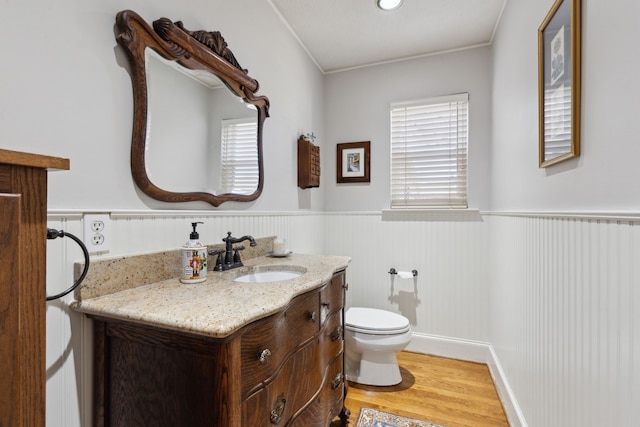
313	316
337	381
278	409
264	356
336	334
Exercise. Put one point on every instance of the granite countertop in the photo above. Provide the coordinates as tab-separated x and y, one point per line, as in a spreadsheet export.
219	306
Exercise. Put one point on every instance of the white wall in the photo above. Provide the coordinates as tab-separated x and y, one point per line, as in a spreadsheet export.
65	92
563	302
357	109
605	176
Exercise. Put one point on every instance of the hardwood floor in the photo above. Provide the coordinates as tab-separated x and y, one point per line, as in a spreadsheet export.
450	392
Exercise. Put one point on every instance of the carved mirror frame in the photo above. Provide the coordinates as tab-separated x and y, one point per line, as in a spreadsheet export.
194	50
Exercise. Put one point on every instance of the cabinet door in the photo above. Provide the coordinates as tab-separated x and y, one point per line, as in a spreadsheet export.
9	313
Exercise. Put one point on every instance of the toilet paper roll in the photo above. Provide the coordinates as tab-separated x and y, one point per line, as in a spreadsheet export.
405	275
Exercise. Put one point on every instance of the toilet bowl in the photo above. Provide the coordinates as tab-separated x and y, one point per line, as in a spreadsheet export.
372	338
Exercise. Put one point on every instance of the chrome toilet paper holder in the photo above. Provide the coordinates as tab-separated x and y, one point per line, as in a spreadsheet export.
394	271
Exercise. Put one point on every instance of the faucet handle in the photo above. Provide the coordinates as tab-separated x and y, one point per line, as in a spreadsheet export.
219	258
236	255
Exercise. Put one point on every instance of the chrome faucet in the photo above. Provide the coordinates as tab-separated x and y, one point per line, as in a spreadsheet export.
232	254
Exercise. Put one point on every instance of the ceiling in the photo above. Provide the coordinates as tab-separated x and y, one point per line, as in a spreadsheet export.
345	34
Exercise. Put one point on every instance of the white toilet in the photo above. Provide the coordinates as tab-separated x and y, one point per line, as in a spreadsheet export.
372	338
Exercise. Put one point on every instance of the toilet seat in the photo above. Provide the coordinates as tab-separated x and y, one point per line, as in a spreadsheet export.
373	321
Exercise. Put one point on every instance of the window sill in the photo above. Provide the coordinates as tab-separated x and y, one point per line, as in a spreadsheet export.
425	214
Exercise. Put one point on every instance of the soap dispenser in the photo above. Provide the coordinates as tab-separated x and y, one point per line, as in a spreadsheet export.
194	258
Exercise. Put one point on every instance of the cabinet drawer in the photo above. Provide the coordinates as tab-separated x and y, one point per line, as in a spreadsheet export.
332	338
332	296
329	403
266	343
293	389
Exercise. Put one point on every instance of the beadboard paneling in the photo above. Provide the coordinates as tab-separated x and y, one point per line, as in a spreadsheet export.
555	295
70	334
450	295
565	317
144	232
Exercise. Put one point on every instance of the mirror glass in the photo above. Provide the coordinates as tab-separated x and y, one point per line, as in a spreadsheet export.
190	113
197	120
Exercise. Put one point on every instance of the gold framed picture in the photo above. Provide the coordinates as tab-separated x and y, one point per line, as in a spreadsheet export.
559	41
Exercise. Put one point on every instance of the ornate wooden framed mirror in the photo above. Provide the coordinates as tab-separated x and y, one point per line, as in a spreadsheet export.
192	140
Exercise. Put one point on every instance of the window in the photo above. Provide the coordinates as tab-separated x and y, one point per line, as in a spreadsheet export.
429	152
239	165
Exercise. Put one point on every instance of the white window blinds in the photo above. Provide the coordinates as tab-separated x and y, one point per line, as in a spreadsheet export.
239	171
429	152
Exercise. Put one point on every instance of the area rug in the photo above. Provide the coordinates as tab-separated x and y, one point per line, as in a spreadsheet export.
373	418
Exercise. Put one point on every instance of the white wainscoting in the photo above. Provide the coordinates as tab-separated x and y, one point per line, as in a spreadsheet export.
565	315
554	298
70	334
450	294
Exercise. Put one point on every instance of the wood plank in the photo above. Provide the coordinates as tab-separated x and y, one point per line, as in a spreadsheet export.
19	158
451	392
31	183
10	398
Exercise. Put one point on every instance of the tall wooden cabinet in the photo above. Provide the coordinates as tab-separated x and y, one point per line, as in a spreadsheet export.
23	237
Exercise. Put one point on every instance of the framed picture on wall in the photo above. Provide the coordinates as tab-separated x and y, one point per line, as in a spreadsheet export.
559	41
354	159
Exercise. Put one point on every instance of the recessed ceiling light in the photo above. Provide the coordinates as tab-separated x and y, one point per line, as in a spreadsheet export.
389	4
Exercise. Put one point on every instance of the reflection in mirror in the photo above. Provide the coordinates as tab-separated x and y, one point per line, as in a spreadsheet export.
197	126
201	137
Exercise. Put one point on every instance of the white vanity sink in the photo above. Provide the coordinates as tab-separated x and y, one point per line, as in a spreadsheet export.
268	276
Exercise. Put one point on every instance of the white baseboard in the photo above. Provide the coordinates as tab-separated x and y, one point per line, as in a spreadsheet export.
472	351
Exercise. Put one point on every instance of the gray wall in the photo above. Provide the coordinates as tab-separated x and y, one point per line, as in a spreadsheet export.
563	288
65	92
605	176
357	109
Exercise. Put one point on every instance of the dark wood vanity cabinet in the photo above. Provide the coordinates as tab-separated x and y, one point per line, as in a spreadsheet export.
308	164
282	370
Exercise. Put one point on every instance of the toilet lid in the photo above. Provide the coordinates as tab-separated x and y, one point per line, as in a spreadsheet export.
372	319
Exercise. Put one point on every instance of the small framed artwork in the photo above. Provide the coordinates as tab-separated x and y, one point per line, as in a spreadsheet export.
354	159
559	41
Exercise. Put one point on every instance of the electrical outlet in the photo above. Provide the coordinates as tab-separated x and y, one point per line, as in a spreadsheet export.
97	232
97	226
